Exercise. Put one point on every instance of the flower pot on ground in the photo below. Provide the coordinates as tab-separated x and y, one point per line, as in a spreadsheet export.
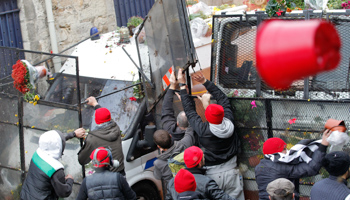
133	22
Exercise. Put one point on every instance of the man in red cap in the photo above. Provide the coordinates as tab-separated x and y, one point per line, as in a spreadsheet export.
104	184
185	185
194	160
216	136
270	168
106	134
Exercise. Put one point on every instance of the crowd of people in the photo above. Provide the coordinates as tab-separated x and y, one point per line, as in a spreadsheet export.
209	151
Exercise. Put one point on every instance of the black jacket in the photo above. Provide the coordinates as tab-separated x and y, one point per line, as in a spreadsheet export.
189	195
169	121
40	186
206	186
267	170
216	150
105	184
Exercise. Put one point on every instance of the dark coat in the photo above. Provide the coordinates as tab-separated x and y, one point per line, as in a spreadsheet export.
105	184
216	150
206	186
169	121
330	188
161	168
189	195
267	170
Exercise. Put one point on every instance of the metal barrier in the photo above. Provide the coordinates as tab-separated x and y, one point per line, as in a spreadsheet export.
261	112
233	59
22	124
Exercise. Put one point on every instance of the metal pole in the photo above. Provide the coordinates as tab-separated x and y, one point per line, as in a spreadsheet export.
67	48
79	105
99	97
140	70
21	137
268	110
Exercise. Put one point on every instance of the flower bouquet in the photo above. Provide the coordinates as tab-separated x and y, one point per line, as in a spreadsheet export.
24	77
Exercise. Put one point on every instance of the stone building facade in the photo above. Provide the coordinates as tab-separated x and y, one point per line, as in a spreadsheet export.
73	21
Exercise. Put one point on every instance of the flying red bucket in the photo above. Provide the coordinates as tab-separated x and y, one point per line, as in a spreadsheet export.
287	51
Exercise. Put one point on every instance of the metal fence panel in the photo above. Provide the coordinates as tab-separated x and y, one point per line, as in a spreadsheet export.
233	60
10	185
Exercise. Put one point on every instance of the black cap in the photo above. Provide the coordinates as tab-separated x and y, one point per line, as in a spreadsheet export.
336	163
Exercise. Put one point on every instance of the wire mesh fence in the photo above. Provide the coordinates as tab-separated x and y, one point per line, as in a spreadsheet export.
292	120
234	66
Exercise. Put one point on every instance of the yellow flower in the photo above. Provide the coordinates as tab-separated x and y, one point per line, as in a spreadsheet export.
210	25
26	151
33	126
16	115
30	101
289	145
35	103
233	6
36	97
17	123
263	9
51	79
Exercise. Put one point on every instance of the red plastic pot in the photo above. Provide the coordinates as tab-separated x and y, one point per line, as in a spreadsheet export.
291	50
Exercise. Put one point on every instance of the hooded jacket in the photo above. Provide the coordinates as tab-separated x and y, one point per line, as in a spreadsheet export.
46	178
107	135
219	144
161	168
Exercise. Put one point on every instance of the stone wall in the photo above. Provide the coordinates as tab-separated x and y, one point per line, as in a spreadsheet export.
73	20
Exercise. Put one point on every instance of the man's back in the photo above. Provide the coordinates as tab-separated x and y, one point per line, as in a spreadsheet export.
109	137
330	188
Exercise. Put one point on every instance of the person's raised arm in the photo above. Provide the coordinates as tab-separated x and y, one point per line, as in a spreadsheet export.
313	167
189	106
205	99
168	116
217	94
93	102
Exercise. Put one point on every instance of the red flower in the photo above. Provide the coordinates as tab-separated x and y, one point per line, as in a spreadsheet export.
132	98
20	77
292	121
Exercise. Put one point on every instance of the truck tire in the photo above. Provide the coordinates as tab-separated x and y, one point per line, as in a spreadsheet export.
146	191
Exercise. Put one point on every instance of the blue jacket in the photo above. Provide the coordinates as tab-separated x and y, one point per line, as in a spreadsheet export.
267	171
330	188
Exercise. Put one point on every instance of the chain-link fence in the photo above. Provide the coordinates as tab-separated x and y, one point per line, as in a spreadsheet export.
234	65
261	112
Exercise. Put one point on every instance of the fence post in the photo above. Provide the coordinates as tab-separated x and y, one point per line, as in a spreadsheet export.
268	109
21	137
